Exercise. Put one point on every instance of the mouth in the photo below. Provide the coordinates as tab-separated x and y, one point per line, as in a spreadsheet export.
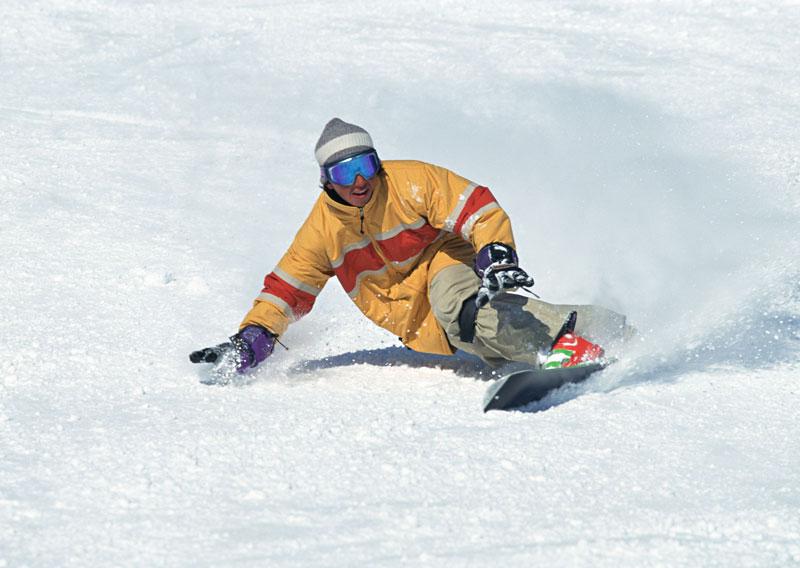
360	192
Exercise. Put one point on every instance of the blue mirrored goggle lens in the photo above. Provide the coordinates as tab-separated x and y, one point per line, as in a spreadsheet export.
345	172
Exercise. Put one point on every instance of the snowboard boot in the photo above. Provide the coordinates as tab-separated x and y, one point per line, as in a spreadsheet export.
571	350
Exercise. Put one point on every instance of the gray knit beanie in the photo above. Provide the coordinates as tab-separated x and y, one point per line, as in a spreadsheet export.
340	140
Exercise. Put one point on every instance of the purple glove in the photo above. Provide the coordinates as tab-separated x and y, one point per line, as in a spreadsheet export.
249	347
497	266
253	344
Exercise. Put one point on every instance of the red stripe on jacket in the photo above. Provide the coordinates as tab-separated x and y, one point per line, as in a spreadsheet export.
300	302
402	246
480	197
408	243
355	262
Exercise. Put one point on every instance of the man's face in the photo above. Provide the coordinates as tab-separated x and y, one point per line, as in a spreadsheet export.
359	193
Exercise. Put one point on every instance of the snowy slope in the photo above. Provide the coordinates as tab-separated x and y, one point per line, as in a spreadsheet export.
155	161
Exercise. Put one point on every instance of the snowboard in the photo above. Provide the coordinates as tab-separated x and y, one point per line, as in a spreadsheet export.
522	387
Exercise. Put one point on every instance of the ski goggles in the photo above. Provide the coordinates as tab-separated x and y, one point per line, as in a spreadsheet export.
345	172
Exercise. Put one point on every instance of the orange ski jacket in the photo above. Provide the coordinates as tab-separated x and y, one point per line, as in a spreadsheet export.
420	219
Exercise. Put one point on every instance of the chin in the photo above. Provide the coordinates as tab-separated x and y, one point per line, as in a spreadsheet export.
362	200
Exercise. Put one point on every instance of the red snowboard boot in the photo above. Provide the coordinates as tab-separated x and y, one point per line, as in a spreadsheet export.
571	350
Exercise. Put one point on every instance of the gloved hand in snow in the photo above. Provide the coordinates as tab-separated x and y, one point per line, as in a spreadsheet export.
497	266
244	351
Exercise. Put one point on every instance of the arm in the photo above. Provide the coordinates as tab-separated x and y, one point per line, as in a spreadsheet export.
457	205
291	289
288	294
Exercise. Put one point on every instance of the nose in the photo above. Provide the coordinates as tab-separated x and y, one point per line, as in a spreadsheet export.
359	181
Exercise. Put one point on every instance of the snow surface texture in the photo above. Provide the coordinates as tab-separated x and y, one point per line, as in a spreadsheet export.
156	160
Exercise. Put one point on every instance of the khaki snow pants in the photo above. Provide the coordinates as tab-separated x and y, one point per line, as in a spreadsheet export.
512	327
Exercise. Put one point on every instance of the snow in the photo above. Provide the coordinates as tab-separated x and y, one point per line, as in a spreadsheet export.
157	158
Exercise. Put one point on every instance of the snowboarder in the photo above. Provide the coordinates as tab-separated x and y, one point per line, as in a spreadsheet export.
423	253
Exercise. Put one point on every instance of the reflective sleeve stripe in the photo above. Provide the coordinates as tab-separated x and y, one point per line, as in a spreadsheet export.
292	301
450	222
281	305
479	201
307	288
466	229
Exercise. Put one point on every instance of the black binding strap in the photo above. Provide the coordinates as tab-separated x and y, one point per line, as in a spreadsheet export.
466	319
568	327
